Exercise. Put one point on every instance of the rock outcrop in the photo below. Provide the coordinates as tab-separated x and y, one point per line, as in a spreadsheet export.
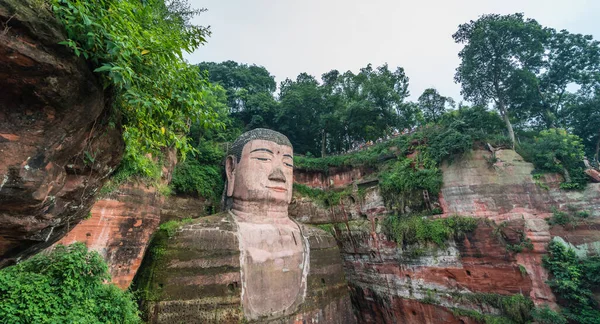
122	223
56	142
120	228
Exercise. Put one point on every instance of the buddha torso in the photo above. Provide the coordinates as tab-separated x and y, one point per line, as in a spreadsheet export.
278	250
197	275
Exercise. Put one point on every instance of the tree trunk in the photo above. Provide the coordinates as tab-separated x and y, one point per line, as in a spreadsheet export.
323	143
596	156
565	171
509	127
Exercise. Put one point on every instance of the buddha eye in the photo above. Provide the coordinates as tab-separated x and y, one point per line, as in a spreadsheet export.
262	159
289	164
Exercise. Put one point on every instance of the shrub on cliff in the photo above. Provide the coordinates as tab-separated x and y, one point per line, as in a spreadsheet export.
555	150
67	285
573	281
416	229
192	177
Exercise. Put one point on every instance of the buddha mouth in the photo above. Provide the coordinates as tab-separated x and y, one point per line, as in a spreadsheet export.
278	189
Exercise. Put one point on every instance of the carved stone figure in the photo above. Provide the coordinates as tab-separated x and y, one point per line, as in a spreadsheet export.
251	262
260	178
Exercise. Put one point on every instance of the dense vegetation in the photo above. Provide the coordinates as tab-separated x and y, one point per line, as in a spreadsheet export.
417	229
513	308
573	280
67	285
136	47
537	78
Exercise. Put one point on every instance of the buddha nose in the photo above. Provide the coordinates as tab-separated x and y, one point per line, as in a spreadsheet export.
277	175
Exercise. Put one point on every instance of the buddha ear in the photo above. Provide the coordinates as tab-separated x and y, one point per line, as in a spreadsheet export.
230	164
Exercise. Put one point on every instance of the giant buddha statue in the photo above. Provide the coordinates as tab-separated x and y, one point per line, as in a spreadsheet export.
250	263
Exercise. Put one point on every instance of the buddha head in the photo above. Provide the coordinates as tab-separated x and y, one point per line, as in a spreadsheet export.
260	167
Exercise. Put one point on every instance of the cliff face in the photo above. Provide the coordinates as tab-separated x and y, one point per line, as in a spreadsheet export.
56	142
120	229
425	283
121	225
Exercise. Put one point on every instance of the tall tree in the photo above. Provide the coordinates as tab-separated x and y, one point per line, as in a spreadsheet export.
585	122
498	49
249	89
433	105
374	102
332	132
570	60
301	103
569	63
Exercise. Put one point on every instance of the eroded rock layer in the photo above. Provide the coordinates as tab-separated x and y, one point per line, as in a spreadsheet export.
56	142
121	223
425	283
120	228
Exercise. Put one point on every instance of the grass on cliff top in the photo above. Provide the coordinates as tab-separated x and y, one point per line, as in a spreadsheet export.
324	198
437	142
406	230
514	308
369	157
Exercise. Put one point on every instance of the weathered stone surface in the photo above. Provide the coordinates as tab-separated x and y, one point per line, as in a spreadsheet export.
122	223
182	207
56	146
335	177
411	275
506	189
371	307
354	207
120	229
195	277
593	174
389	283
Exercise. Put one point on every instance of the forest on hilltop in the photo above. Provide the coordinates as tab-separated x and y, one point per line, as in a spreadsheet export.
535	77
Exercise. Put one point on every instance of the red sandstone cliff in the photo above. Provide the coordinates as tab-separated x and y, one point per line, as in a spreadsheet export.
121	225
56	145
423	283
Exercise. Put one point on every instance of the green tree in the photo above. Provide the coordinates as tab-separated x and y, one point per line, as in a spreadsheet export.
137	48
584	120
64	286
375	103
433	105
301	106
555	150
332	131
499	51
569	60
249	90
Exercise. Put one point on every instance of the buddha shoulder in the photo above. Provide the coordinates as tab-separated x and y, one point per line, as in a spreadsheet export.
216	231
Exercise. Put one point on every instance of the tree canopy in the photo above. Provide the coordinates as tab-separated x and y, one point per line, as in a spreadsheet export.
535	76
137	48
319	117
64	286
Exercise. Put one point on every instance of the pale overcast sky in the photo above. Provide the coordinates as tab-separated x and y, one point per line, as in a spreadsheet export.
315	36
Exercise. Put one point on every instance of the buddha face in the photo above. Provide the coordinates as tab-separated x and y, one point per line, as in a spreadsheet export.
263	174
